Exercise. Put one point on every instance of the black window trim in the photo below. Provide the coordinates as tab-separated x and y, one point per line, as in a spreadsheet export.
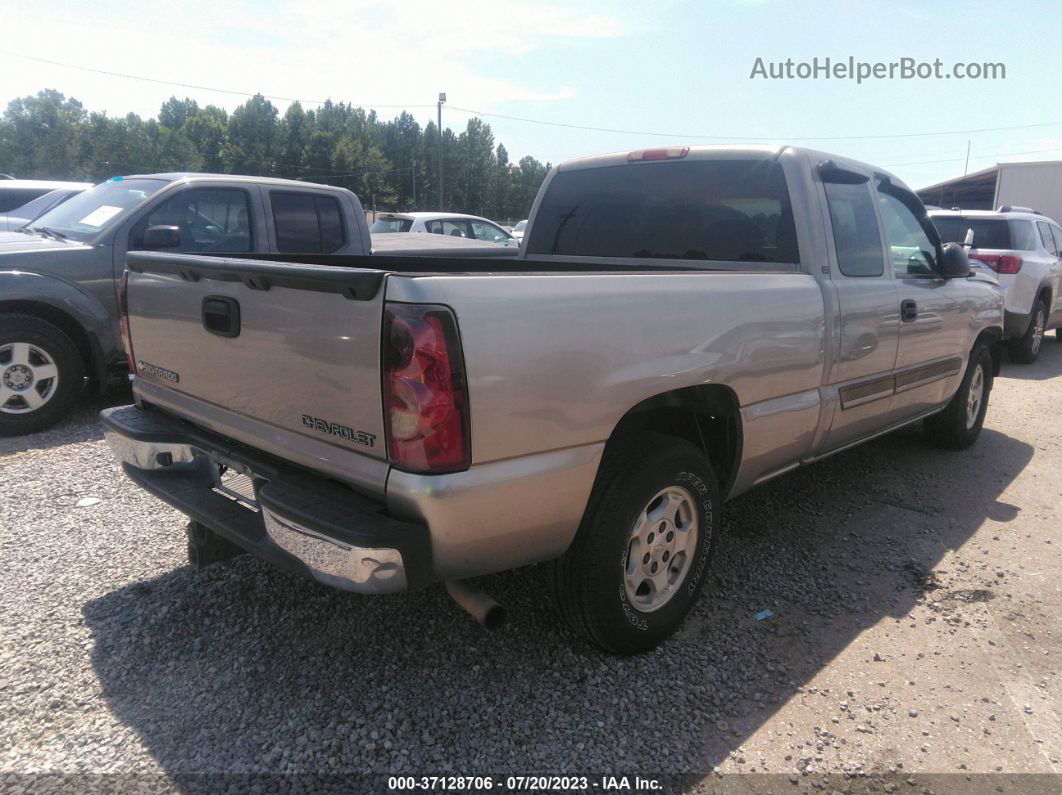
313	194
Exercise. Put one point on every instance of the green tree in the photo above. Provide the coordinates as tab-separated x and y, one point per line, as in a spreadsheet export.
251	134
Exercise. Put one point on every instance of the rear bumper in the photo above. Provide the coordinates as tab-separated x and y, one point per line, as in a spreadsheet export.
305	524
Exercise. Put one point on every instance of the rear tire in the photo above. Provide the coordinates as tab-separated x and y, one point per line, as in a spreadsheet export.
1026	348
641	554
959	424
41	374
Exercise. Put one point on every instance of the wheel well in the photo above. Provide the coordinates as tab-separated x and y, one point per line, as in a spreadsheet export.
707	416
1045	293
992	338
57	317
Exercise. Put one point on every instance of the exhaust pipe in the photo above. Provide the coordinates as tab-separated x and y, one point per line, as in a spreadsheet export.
477	604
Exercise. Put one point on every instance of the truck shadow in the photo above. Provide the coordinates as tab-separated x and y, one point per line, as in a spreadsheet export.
287	675
1048	364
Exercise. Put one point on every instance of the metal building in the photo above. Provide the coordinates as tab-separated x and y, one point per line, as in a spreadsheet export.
1036	185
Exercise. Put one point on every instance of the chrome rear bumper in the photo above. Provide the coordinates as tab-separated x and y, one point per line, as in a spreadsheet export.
303	522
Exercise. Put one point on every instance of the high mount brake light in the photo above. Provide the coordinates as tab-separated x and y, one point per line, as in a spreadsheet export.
672	153
123	321
425	400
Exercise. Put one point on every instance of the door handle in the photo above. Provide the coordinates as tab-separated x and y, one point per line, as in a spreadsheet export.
221	315
908	311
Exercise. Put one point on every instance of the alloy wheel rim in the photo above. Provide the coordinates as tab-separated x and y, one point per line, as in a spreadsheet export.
29	378
660	549
1038	331
975	396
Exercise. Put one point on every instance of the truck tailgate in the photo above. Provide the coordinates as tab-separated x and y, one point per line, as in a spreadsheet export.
282	355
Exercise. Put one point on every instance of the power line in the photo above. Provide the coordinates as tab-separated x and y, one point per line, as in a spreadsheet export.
748	137
544	122
191	85
976	157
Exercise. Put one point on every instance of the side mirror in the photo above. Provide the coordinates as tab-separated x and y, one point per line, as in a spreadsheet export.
162	237
955	264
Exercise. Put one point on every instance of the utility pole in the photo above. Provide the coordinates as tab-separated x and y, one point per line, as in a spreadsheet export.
414	182
442	99
967	166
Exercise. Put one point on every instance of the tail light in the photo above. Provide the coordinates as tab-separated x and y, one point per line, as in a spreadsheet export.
425	400
123	320
1000	263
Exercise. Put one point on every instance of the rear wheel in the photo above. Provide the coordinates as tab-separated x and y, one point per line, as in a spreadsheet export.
1026	348
41	374
959	424
642	551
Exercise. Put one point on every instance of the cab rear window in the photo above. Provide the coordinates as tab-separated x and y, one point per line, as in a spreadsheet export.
720	210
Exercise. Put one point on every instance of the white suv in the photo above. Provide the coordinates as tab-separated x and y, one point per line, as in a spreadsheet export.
1024	248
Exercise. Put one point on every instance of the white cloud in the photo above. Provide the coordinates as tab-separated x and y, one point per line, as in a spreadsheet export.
362	51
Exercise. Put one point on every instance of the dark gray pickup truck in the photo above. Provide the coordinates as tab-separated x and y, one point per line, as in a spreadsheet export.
58	301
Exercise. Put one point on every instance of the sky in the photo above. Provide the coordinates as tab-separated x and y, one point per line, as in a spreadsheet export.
669	72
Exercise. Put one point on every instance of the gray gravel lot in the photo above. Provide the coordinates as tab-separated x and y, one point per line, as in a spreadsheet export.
916	631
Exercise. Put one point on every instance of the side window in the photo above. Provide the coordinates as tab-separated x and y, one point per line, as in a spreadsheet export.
307	223
210	219
911	250
1045	235
485	231
855	229
452	227
1058	240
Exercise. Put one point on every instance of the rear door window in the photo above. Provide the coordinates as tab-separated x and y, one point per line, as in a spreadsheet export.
307	223
855	229
719	210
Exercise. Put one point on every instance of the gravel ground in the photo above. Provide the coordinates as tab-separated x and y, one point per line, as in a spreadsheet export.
915	632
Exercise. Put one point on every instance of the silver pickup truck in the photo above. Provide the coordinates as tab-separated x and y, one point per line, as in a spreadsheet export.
680	326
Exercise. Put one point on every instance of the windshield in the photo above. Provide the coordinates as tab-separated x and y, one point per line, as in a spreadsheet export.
89	213
520	226
391	225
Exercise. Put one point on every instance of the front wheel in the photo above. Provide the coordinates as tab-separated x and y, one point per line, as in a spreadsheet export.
959	424
41	374
641	554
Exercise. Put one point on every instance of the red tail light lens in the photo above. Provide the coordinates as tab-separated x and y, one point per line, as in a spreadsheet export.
672	153
123	321
425	401
1000	263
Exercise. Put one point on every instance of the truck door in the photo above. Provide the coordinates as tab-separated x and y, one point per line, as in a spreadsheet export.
934	326
860	379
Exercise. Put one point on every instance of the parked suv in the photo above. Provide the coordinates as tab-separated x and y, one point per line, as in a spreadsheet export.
1024	248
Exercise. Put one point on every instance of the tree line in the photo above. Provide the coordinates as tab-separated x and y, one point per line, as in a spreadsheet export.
390	165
